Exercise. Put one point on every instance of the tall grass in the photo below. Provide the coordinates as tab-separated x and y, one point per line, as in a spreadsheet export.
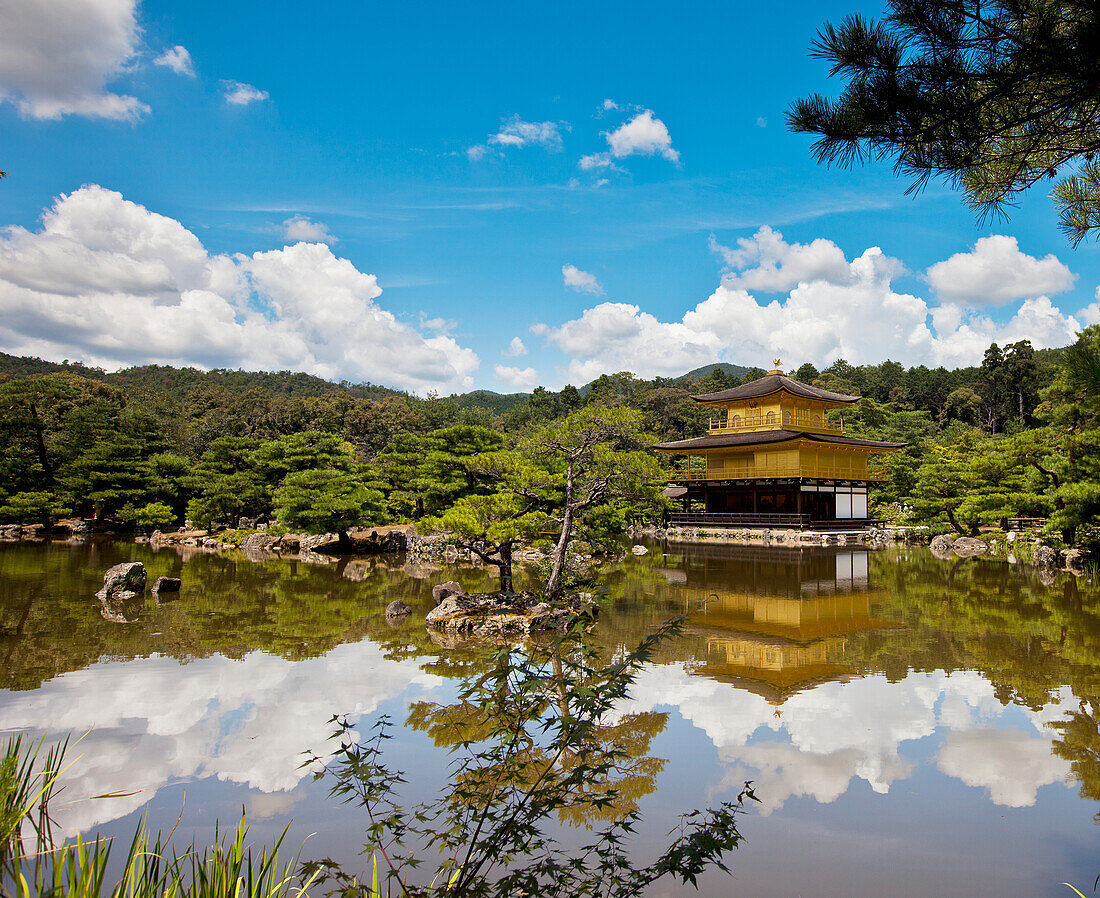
32	863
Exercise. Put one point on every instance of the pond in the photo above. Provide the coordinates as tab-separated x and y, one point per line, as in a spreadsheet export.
913	726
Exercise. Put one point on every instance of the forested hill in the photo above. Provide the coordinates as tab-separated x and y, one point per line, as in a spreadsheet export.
178	383
738	371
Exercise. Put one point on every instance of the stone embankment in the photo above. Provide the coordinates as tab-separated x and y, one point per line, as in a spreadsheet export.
768	537
438	547
263	543
1013	548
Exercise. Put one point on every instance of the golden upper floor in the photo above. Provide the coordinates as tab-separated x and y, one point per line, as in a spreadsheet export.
774	402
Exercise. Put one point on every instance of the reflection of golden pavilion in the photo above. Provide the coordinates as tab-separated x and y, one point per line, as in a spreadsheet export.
775	620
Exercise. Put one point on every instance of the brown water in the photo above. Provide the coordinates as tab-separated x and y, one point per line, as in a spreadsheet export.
913	726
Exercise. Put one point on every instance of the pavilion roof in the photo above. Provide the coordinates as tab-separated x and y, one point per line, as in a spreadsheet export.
756	438
772	383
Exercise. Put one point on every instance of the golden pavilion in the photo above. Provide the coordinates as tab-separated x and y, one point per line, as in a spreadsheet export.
771	458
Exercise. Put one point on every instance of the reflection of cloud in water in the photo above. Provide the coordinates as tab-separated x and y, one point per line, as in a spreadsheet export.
154	721
1011	764
820	739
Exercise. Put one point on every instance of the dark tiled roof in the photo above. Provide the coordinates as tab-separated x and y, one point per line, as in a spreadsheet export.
853	441
721	440
771	383
717	440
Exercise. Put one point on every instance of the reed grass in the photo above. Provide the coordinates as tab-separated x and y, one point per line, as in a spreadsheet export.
33	864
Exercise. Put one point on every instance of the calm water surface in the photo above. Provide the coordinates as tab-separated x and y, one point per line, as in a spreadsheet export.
913	726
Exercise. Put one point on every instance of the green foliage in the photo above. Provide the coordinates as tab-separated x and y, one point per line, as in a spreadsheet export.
229	483
991	96
327	499
579	475
532	740
974	482
155	515
32	508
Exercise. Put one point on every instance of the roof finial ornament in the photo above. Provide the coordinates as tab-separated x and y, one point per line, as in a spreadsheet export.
777	369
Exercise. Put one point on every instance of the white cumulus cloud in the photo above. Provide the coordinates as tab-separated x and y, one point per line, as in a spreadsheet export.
995	271
767	262
835	308
299	228
581	281
515	349
178	59
109	282
520	378
58	58
643	135
237	93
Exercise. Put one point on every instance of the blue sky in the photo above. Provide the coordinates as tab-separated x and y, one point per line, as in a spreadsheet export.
224	186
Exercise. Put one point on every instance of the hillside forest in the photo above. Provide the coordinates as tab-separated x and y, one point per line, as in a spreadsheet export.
152	446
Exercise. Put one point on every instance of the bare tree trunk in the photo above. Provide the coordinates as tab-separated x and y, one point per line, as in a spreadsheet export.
553	584
955	524
505	566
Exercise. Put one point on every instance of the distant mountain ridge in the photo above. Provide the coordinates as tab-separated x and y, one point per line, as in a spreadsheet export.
178	382
737	371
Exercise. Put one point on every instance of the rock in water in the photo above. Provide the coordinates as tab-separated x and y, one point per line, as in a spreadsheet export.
451	588
639	550
1045	556
257	541
496	616
128	577
942	544
1075	561
398	609
968	547
167	584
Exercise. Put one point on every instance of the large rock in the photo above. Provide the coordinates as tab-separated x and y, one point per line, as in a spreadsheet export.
1045	556
942	545
398	609
1074	561
639	550
126	578
451	588
493	616
315	541
968	547
256	541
